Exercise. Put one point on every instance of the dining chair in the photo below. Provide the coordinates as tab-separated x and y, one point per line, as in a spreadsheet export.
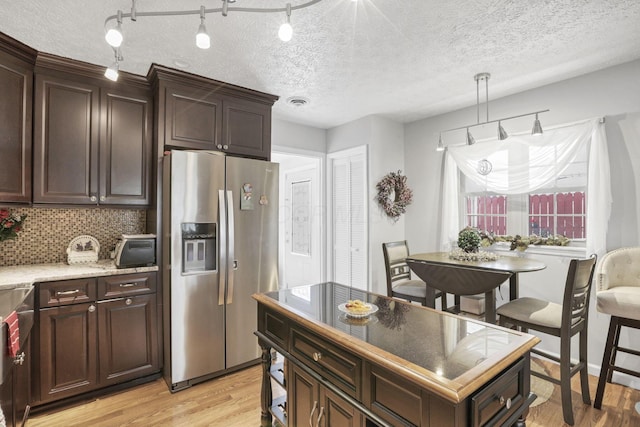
563	321
399	281
617	294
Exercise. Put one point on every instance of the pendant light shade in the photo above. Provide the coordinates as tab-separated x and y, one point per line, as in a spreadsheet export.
440	146
286	30
502	134
470	139
537	128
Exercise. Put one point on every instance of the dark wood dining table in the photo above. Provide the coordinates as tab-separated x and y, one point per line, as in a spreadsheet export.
471	277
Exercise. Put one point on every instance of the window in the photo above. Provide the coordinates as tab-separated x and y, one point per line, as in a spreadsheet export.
524	167
557	210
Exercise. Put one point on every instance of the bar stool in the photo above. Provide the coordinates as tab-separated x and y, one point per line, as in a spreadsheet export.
562	321
617	294
399	282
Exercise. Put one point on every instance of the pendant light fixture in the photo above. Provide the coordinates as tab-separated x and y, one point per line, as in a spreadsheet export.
115	36
502	133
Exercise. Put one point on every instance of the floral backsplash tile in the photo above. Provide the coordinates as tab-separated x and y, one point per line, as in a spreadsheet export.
46	232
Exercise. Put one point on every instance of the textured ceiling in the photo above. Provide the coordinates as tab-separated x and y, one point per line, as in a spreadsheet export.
402	59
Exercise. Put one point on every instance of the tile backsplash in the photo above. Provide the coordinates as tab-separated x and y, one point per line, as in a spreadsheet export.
47	232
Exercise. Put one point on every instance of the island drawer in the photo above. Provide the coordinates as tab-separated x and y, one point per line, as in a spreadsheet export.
501	398
126	285
66	292
328	360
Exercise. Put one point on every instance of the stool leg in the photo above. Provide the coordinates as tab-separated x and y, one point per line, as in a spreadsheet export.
584	374
607	362
565	378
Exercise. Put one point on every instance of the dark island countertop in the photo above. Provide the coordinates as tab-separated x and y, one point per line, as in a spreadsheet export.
450	355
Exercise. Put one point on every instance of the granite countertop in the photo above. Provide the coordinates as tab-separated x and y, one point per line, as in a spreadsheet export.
21	276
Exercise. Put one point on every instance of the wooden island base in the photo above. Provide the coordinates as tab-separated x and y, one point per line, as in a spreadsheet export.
408	366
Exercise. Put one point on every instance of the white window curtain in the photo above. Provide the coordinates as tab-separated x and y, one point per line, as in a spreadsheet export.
524	163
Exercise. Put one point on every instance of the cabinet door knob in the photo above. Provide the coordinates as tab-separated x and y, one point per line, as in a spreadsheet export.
93	198
219	146
128	301
102	198
225	146
92	308
508	402
317	356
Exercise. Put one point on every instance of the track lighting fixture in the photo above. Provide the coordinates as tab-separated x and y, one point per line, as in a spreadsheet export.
114	35
112	72
286	31
202	38
440	146
502	133
537	129
470	139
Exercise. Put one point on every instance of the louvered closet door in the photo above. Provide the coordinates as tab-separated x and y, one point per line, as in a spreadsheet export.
349	218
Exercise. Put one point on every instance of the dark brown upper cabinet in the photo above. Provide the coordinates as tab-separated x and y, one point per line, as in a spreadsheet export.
199	113
92	138
16	92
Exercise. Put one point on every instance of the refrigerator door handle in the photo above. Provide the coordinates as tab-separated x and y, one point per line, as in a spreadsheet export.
231	267
222	219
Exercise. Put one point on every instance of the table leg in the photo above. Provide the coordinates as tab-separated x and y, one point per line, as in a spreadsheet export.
266	396
431	297
490	306
513	287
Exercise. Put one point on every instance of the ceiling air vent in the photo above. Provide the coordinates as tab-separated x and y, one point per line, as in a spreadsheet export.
297	101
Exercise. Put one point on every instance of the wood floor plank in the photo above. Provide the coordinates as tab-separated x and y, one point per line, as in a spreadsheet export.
234	401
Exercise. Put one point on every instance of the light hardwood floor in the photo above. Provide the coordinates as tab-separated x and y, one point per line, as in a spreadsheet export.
234	401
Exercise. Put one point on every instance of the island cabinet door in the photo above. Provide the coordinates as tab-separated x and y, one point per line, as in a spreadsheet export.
302	398
312	404
127	338
67	355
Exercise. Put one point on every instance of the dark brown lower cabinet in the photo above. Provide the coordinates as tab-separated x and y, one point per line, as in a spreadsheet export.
67	357
128	338
109	338
316	405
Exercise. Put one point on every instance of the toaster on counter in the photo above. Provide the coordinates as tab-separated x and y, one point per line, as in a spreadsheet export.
135	250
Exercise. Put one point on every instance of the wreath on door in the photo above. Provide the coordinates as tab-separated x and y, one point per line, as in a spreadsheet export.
393	194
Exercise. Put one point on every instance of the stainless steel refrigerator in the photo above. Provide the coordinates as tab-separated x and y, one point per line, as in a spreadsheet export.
220	228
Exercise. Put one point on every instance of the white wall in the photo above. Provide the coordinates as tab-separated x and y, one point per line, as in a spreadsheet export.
613	92
298	137
385	141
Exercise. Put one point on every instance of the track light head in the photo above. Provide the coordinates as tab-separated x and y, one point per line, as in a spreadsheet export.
537	128
203	41
470	139
112	72
440	146
286	30
502	134
114	35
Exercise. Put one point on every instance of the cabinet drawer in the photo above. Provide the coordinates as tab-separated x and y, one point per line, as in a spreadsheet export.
500	398
328	360
124	285
76	291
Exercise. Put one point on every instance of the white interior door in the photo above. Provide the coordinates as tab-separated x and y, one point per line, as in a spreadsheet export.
301	219
349	217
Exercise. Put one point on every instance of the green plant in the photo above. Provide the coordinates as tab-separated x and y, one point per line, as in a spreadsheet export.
469	239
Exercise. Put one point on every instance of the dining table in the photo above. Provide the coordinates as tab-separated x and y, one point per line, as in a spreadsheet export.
471	277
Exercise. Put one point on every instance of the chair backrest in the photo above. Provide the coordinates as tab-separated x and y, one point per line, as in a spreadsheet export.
575	307
395	254
620	267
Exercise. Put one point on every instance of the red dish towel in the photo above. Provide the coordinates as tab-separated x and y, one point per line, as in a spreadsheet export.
14	333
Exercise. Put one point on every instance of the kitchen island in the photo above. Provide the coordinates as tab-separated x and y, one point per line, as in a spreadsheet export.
403	365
